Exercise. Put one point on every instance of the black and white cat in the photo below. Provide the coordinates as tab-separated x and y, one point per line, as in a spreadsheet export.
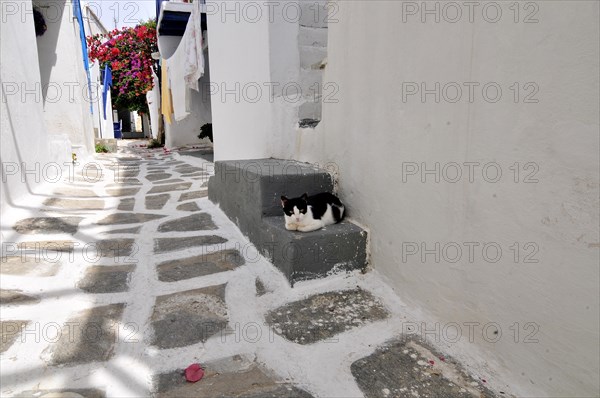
309	213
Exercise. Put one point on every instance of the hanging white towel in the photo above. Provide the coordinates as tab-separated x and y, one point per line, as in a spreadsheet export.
153	99
192	40
179	89
186	65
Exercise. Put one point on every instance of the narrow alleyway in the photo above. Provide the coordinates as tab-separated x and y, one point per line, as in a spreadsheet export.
125	274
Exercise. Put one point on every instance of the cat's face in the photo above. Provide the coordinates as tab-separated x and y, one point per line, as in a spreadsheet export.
295	209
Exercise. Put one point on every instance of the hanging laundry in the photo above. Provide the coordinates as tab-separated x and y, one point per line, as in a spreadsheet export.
192	40
106	83
186	65
153	99
166	100
179	90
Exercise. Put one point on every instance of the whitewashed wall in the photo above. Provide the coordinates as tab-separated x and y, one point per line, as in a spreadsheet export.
30	155
239	68
265	58
376	137
104	127
542	298
67	102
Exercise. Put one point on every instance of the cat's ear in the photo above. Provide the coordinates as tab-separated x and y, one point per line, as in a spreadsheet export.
283	201
304	197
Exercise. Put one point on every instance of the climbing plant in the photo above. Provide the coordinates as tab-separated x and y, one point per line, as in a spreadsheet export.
128	52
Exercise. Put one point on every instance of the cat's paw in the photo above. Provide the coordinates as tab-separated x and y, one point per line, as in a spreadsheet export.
291	227
308	228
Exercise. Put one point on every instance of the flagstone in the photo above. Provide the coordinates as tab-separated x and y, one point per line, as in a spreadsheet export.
122	191
89	336
63	393
409	367
229	377
191	206
188	317
122	247
169	188
162	245
201	265
126	204
193	195
73	204
103	279
158	176
9	332
322	316
156	202
48	225
75	192
173	181
128	218
134	230
194	222
41	247
15	296
28	265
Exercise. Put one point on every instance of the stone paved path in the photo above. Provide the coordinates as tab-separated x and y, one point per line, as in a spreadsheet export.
120	277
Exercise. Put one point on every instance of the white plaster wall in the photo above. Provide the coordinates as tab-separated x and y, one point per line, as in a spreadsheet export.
93	25
297	40
25	143
371	131
284	62
152	98
266	123
239	58
67	103
104	127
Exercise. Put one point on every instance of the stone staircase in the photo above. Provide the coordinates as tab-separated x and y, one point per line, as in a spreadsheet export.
249	192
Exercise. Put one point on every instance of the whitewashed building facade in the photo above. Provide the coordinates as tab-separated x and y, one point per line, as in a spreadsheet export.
46	113
465	138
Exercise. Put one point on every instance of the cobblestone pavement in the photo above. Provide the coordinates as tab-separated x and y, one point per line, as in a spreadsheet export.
120	276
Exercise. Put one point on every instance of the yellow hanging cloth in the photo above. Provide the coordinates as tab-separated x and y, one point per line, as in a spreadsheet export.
166	101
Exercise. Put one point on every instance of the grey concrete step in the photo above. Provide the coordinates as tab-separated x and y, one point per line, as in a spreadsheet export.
301	255
252	188
249	192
